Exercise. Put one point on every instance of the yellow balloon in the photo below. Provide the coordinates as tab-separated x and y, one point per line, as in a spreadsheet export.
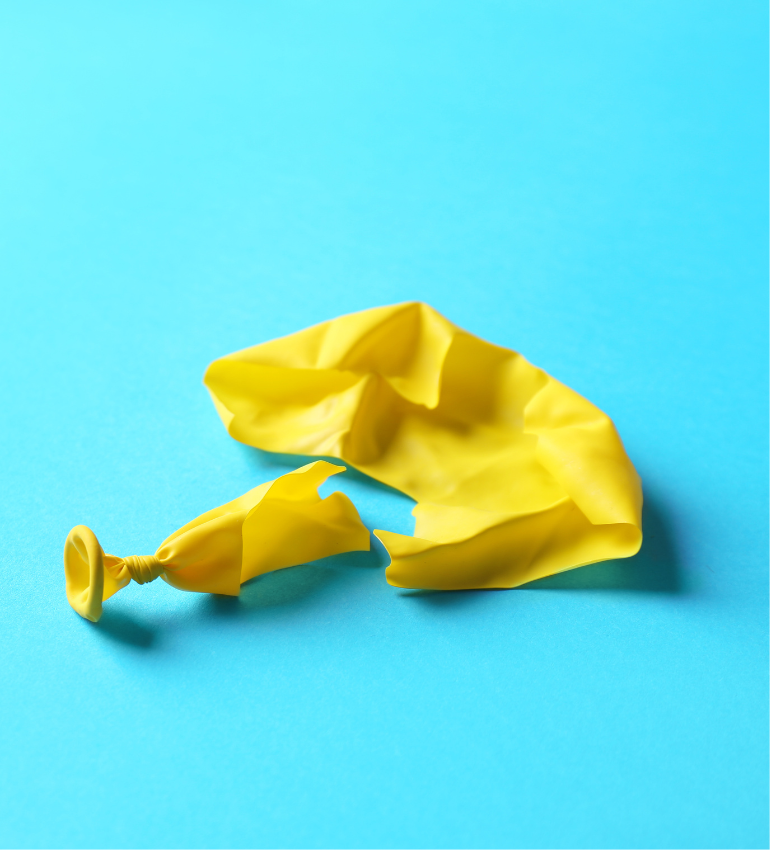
515	475
279	524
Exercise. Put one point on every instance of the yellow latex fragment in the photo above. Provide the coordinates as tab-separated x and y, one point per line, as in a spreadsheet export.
279	524
515	475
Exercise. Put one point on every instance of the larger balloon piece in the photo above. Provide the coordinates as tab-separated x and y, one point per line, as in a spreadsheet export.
515	475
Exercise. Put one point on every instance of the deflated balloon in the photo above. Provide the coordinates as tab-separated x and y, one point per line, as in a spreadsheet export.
515	475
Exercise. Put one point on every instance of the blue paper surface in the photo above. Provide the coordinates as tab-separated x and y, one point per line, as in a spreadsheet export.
583	182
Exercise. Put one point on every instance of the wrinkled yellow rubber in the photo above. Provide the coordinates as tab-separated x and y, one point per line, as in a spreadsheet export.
279	524
515	475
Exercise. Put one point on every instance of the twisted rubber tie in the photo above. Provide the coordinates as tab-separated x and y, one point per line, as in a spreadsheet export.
143	568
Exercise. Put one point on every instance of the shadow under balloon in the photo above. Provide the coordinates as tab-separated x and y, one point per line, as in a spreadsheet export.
656	568
294	587
119	627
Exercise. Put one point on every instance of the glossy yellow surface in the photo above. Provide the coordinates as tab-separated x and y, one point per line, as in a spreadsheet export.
279	524
515	475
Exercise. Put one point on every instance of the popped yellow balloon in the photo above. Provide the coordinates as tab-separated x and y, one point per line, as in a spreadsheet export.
279	524
515	475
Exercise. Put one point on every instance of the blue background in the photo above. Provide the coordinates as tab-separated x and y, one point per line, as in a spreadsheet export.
583	182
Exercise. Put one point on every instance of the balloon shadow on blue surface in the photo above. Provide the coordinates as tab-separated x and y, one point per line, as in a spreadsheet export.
124	629
655	569
293	587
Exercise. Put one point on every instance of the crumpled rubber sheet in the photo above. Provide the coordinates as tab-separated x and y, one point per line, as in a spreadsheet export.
279	524
515	475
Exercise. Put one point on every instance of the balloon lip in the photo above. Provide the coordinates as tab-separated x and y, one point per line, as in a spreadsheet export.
84	572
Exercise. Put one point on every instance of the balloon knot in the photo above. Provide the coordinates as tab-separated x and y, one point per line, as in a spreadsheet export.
143	568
